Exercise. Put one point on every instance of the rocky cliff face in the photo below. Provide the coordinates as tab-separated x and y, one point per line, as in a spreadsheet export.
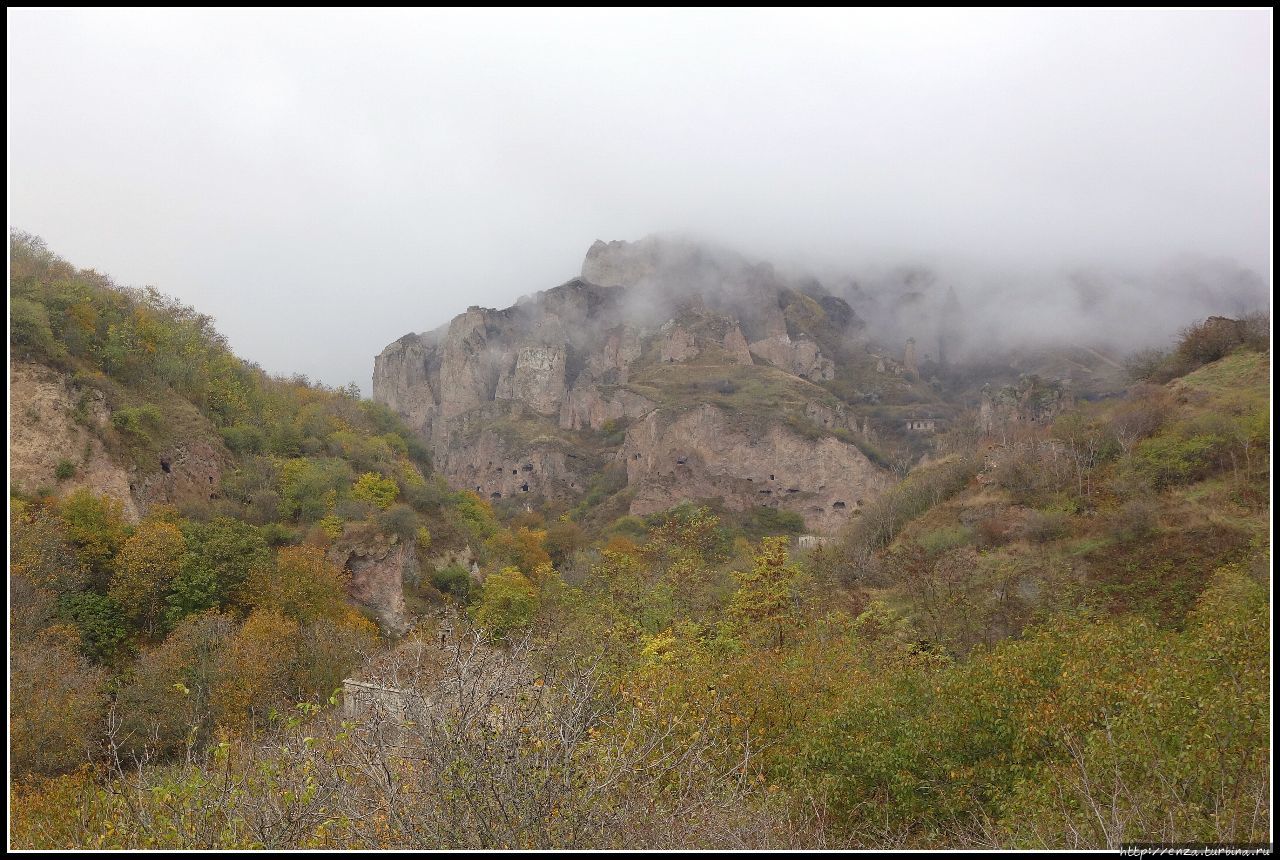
709	453
54	420
693	366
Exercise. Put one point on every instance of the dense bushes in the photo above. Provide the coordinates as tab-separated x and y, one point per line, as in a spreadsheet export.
832	729
1201	344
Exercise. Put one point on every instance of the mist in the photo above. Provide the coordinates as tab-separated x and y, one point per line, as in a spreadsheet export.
323	182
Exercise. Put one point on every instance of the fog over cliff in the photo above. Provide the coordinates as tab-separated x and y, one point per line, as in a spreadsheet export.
324	182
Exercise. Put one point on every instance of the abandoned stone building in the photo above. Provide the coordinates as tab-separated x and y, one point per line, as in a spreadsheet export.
926	424
360	698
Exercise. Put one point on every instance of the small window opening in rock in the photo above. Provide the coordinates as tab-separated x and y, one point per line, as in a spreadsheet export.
771	477
680	461
635	456
211	479
164	464
513	471
838	505
524	488
495	495
477	488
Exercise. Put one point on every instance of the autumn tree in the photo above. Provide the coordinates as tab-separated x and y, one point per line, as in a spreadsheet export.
145	569
97	529
524	548
302	584
508	601
256	667
40	552
166	701
767	602
376	490
55	702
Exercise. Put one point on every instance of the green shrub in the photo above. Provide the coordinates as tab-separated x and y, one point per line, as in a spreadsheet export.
137	421
101	623
1167	460
64	470
508	602
243	438
399	520
945	538
772	521
453	579
375	489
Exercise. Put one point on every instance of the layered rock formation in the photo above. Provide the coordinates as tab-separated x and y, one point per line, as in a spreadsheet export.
700	370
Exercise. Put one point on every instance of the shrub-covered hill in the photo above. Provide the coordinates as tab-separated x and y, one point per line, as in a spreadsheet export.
1122	505
167	497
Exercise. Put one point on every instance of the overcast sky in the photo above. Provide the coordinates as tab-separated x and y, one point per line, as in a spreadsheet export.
322	183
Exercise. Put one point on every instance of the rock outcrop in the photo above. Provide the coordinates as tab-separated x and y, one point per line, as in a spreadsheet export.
51	421
56	421
801	356
532	402
379	566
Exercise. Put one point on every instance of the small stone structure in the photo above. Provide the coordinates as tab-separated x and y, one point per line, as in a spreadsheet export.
921	425
811	541
361	697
